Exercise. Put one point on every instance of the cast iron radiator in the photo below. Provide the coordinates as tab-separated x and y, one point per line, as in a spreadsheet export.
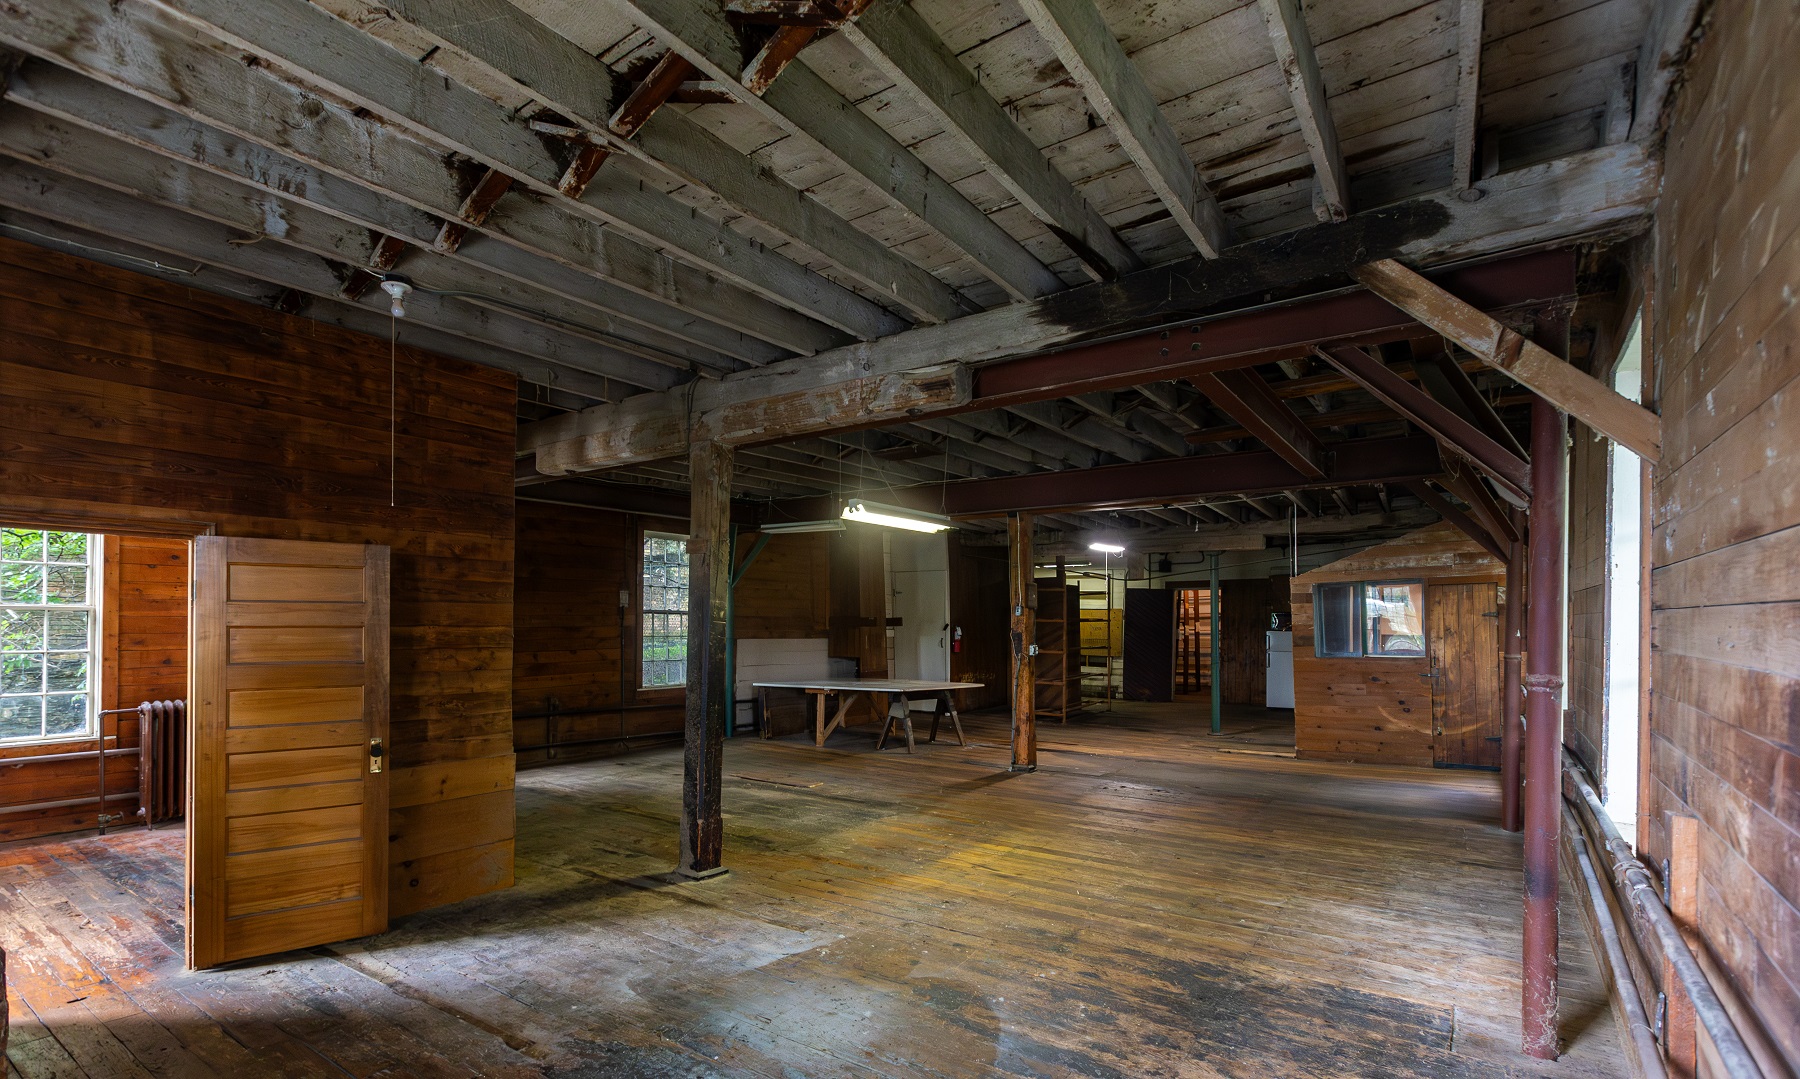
162	760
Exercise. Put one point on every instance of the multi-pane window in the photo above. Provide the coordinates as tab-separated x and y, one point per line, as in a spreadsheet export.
665	604
48	628
1369	618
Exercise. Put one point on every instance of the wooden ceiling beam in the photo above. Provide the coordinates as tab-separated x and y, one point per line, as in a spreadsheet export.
805	104
1468	96
1115	89
1229	536
372	75
544	356
227	114
897	40
1617	184
1306	88
1247	399
1579	394
47	142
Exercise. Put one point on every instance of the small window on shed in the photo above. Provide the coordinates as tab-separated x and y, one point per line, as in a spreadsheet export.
1392	618
1334	620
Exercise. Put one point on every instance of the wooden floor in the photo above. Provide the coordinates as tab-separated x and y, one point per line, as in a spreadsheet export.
1153	902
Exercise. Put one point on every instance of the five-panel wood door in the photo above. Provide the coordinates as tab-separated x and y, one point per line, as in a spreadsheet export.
287	800
1462	624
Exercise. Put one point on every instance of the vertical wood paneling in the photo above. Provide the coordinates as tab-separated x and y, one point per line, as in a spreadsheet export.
1375	710
1585	696
129	398
1725	506
978	607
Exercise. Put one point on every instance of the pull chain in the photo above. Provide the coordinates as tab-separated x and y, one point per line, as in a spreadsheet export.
393	384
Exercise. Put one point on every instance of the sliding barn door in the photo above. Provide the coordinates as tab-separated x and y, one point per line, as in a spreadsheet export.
1462	622
287	813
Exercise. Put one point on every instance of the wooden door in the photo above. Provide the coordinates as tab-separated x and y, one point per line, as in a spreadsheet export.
1462	623
288	715
1149	644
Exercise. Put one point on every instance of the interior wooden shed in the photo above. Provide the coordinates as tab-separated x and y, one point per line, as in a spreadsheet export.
864	537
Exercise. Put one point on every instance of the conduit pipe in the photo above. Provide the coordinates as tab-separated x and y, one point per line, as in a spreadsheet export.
1639	890
1637	1024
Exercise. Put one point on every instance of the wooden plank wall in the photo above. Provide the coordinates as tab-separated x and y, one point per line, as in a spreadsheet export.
575	646
858	604
1725	506
1374	710
127	400
143	656
978	604
1584	703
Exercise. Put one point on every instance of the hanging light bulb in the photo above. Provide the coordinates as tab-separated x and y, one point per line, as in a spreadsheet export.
396	286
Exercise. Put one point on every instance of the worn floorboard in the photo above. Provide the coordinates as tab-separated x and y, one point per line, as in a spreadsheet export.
1152	902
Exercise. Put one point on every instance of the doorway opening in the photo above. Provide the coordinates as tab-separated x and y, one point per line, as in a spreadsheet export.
1627	632
1193	642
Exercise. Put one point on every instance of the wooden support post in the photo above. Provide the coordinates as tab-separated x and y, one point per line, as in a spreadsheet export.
1022	594
708	696
1212	633
1512	727
1682	875
1543	729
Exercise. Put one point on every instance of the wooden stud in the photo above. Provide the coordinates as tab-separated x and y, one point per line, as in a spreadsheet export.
1022	628
708	695
1582	396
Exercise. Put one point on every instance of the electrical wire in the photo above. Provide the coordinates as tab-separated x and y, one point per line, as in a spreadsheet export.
393	408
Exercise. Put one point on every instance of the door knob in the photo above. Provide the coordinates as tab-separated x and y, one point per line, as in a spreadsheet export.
376	753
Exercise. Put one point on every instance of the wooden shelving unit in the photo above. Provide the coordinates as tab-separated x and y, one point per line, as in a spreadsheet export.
1058	667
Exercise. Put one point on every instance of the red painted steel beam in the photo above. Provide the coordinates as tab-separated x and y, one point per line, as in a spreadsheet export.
1543	730
1246	398
1512	727
1466	524
1264	335
1418	406
1177	479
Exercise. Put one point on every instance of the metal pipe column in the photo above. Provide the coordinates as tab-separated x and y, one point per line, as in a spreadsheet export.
1214	607
1543	729
1512	728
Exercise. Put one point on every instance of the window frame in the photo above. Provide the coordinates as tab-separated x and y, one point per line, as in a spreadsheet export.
95	606
1359	601
640	617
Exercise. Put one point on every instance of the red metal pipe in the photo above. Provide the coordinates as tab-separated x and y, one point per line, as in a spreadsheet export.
1512	728
1543	729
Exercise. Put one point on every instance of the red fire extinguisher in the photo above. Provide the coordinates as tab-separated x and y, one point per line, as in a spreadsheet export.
956	640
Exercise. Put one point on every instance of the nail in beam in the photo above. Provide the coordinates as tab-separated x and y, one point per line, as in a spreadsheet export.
1543	728
708	696
1512	730
1023	633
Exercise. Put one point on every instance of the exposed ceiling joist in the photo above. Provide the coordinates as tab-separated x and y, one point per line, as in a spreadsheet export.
259	110
1579	394
1232	536
361	69
896	39
1116	91
802	102
1468	92
1306	87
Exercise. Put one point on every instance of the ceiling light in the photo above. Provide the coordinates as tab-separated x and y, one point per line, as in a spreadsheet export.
1107	548
396	286
784	527
874	513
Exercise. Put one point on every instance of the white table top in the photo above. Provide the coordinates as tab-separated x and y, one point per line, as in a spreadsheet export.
871	685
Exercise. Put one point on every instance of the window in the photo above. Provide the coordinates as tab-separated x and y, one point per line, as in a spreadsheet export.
1625	640
1334	612
48	627
1369	618
665	604
1392	620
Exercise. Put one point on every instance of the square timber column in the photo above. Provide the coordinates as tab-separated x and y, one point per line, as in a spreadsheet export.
1022	594
708	694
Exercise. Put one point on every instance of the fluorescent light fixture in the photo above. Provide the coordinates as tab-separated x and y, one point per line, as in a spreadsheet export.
1107	548
874	513
783	527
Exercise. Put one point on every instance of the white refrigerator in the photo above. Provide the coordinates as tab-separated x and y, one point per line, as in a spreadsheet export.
1281	669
